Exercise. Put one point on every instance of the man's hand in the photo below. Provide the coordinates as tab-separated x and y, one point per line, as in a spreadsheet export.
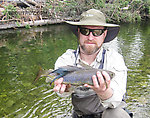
101	85
59	87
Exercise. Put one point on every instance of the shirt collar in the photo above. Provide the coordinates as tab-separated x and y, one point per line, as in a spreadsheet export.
99	55
97	59
77	56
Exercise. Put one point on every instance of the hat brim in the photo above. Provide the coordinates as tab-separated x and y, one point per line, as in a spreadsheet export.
92	23
112	31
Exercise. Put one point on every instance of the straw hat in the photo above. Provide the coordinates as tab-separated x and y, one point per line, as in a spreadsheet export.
95	17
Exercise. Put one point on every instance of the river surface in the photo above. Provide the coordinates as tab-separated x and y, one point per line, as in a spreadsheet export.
24	51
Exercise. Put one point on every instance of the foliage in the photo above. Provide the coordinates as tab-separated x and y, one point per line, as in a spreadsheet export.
65	9
27	26
10	12
114	10
126	10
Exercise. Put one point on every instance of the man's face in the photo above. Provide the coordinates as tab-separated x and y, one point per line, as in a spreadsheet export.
91	44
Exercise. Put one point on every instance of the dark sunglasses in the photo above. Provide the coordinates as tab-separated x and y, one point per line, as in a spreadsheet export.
95	32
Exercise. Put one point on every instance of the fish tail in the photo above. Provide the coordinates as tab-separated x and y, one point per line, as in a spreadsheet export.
39	73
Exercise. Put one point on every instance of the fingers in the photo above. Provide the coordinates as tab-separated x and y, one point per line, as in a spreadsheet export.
106	75
58	81
101	81
107	78
62	89
96	82
59	87
101	85
103	78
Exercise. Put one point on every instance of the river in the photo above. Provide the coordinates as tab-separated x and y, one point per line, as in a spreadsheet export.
24	51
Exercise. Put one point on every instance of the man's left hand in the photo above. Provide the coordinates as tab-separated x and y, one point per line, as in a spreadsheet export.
101	85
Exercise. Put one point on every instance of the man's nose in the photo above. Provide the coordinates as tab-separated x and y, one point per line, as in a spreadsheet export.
90	36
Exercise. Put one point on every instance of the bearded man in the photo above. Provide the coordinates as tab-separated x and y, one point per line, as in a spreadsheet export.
104	98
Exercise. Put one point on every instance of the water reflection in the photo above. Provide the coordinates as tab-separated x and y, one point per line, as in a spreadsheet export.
136	46
23	51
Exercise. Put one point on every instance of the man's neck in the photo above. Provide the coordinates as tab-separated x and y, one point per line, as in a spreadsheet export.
88	58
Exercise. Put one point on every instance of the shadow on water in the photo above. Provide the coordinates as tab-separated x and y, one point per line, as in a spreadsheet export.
23	51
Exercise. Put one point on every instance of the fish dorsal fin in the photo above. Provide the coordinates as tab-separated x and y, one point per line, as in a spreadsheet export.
70	68
65	70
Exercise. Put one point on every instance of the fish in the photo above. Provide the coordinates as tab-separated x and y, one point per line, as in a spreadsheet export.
74	75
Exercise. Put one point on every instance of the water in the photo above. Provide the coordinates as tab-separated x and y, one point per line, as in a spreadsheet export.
24	51
135	45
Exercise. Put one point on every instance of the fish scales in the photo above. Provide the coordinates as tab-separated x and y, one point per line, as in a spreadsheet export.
72	75
83	76
79	77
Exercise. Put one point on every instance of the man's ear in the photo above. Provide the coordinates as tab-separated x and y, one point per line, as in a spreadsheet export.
105	33
78	31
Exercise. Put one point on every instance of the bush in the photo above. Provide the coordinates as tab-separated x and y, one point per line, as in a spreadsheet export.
10	12
114	10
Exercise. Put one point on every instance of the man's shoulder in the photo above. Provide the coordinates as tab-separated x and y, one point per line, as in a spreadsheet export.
70	51
66	58
113	53
115	59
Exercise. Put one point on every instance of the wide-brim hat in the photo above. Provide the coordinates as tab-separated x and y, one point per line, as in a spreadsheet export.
95	17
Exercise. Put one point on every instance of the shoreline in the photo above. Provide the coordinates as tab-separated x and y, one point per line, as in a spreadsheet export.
29	24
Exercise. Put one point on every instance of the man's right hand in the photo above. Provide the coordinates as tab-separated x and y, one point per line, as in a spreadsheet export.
59	87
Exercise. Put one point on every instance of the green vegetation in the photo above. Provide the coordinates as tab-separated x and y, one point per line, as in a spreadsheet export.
10	12
115	10
27	26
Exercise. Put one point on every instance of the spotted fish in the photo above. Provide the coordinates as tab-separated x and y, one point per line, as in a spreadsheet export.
73	75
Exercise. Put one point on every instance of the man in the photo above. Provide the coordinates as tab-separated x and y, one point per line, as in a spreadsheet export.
104	98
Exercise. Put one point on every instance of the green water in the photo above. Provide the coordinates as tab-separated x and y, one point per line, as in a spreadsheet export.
24	51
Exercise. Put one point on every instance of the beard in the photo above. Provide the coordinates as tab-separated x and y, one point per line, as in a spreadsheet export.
90	47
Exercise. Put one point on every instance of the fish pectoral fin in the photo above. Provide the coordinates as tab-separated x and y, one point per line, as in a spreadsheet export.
68	69
59	76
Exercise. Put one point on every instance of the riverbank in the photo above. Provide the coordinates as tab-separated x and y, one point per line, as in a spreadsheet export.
28	13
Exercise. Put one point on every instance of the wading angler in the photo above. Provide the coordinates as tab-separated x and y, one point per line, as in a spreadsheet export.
103	98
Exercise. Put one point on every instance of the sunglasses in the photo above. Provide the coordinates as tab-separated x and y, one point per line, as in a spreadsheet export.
95	32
